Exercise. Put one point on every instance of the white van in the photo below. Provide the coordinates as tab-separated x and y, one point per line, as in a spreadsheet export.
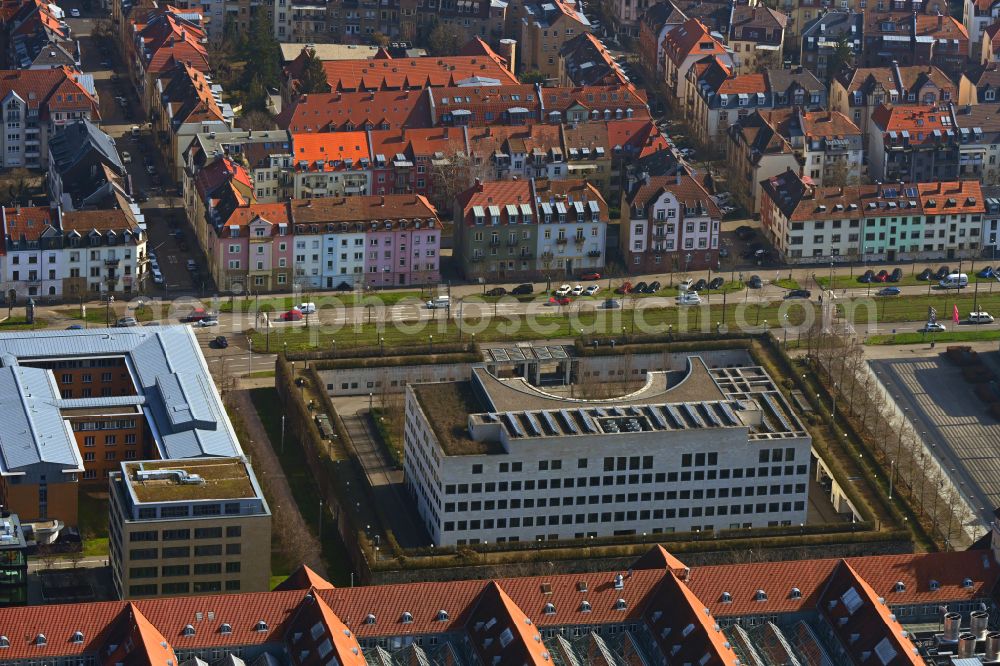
439	302
955	281
980	317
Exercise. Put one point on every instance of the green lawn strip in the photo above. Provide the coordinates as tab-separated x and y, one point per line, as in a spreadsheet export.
97	547
786	283
914	308
300	480
908	279
913	338
384	426
20	324
345	299
101	316
93	514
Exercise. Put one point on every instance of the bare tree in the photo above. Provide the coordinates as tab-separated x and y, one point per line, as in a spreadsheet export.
452	175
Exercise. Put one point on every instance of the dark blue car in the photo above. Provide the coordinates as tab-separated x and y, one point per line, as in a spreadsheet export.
888	291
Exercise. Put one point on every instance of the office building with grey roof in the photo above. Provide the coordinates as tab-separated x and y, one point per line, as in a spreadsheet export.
78	402
699	450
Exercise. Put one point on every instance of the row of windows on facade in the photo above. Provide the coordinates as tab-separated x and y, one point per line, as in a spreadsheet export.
173	570
624	532
620	498
74	257
109	424
518	522
623	479
87	392
95	271
198	587
819	225
110	456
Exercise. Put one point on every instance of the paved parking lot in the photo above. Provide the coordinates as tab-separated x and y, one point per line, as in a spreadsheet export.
952	422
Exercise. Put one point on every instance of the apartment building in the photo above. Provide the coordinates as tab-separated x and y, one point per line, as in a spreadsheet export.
756	37
979	85
910	38
361	110
544	30
826	143
588	62
673	225
723	614
822	38
683	46
332	164
654	24
157	44
82	402
188	527
38	36
521	229
977	16
887	222
858	92
35	104
71	254
84	166
913	143
716	99
497	459
756	152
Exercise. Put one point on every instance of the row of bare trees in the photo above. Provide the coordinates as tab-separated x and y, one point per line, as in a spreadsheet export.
913	472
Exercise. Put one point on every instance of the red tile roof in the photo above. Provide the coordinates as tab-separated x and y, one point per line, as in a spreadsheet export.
684	629
685	188
640	138
483	100
27	223
402	73
365	209
317	635
919	121
331	148
49	90
501	633
744	83
690	38
339	111
304	578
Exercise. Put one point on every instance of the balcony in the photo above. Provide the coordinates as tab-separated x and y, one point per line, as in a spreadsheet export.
494	241
112	262
579	240
511	242
562	241
594	253
476	258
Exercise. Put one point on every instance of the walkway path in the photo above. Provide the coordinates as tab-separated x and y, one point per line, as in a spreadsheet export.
285	512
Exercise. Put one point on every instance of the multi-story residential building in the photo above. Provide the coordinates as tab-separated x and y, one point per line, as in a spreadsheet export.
910	38
588	62
361	110
35	104
188	104
545	28
188	527
72	254
80	402
797	86
522	229
888	222
266	156
716	99
977	15
654	24
991	222
857	93
472	441
673	225
977	128
823	38
331	164
418	160
625	16
990	50
913	144
484	19
157	45
980	85
756	151
84	165
38	37
683	46
756	37
827	144
588	153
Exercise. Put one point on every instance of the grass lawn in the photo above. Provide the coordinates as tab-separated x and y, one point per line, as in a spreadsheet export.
890	309
913	338
19	323
93	514
99	315
262	374
785	283
97	547
329	298
300	480
908	279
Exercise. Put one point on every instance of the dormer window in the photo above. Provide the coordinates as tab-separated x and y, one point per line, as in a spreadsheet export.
990	95
260	627
549	609
77	637
188	630
407	617
585	607
369	619
620	605
900	586
442	615
726	598
967	583
760	596
40	640
796	593
225	629
934	585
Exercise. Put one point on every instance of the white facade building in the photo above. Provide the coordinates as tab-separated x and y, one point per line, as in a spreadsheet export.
506	461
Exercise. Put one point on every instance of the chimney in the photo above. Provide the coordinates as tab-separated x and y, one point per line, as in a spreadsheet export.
381	201
940	20
479	185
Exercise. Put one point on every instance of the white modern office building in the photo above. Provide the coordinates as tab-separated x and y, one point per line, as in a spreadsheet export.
700	450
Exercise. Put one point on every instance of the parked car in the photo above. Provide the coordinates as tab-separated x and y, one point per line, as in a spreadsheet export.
689	298
888	291
798	293
560	300
980	317
522	289
954	281
563	290
986	272
755	282
74	327
896	275
700	285
925	275
157	276
496	291
590	276
126	322
591	290
882	276
654	286
292	315
207	321
307	308
933	327
577	289
220	342
611	304
625	288
75	13
745	233
716	283
192	265
433	304
684	285
942	273
867	277
640	288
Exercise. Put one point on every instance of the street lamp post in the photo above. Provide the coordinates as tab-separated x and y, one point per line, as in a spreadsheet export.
892	475
249	358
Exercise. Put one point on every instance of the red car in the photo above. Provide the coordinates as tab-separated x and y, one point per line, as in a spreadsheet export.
196	314
560	300
292	315
883	276
590	276
626	288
